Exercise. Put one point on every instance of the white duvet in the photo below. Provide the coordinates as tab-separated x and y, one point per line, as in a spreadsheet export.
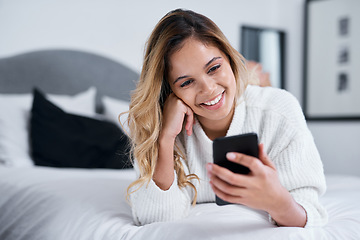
46	203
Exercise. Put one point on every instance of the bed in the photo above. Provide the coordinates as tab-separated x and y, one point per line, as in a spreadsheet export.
57	200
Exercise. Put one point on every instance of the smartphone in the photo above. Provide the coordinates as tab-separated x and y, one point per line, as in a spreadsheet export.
243	143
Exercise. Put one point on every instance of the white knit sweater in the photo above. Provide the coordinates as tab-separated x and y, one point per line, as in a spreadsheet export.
276	116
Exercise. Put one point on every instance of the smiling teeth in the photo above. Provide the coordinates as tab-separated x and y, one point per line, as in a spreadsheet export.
213	102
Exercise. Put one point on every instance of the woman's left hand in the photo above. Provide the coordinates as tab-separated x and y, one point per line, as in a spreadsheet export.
260	189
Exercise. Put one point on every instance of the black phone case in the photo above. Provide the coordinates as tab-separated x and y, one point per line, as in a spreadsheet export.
243	143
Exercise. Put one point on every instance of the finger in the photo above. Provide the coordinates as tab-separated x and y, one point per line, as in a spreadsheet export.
225	196
226	187
189	121
252	163
264	157
228	176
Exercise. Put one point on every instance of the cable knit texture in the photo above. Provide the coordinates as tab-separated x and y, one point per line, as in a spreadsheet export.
276	116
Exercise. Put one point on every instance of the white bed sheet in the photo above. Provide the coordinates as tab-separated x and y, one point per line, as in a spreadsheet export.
47	203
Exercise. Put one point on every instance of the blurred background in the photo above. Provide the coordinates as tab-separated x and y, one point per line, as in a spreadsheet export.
119	29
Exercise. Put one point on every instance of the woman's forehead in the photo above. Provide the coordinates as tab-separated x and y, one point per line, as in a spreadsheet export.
193	53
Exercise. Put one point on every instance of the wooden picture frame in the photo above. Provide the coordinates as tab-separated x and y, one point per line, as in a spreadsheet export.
332	60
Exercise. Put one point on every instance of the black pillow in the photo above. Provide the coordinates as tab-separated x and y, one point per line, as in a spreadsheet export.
60	139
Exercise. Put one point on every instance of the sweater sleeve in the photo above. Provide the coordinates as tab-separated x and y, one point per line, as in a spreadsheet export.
301	172
151	204
299	165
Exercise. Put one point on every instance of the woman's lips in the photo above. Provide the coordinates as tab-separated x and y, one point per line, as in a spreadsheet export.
215	103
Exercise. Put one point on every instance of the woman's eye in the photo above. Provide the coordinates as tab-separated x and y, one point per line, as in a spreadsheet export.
186	83
214	68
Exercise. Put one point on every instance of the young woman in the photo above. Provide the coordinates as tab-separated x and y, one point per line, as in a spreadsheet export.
194	88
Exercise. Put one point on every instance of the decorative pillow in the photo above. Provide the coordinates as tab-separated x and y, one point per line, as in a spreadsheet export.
14	147
112	109
60	139
14	122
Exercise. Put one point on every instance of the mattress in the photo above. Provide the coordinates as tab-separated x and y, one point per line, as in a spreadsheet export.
52	203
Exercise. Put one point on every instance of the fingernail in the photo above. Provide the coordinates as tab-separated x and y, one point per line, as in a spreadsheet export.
230	156
209	167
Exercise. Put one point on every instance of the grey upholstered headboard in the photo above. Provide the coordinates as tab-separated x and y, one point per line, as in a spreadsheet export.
66	72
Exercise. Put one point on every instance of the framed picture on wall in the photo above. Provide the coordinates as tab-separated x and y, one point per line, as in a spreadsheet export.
332	60
266	46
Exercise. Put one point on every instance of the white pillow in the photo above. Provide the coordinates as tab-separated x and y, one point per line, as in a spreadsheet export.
14	122
112	109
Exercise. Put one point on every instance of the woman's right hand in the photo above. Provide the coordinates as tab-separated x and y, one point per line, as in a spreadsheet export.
174	114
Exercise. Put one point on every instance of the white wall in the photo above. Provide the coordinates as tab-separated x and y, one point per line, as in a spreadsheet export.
118	29
114	28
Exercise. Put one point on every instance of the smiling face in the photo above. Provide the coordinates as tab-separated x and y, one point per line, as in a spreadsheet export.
201	76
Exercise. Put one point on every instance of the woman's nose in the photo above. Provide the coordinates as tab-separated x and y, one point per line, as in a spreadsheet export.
208	86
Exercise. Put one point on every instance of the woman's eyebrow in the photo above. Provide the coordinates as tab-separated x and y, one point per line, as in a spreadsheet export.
206	65
212	60
179	78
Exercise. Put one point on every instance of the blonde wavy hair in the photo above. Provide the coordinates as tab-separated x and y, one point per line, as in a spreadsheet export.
147	101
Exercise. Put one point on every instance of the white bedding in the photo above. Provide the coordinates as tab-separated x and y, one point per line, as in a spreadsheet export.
47	203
